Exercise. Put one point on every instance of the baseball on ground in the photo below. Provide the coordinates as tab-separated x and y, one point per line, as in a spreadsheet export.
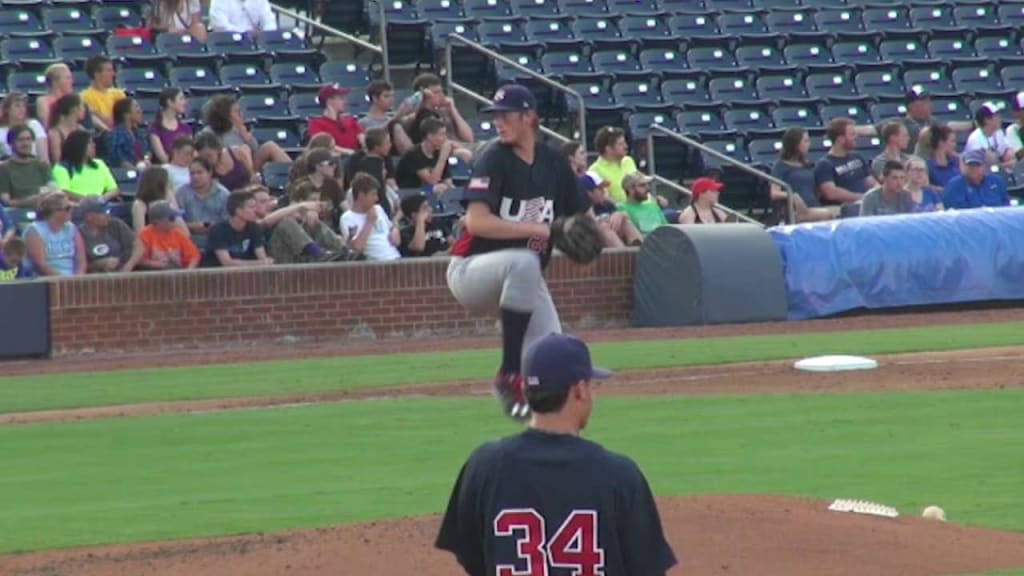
934	513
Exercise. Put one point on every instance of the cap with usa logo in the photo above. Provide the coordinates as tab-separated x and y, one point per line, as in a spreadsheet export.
556	362
513	98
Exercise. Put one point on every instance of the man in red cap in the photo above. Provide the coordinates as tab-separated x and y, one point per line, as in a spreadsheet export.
702	208
344	128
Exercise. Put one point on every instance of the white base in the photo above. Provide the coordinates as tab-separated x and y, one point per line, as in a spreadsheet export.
835	363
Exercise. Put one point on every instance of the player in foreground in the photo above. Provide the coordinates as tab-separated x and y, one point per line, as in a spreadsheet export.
520	187
547	502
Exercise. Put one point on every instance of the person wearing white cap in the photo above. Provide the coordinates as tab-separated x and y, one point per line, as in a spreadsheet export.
988	137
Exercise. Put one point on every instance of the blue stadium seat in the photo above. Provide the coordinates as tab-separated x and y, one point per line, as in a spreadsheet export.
1011	14
481	9
601	31
640	123
685	91
934	80
633	7
114	16
760	56
949	49
568	65
142	79
395	11
748	119
232	44
131	46
976	78
887	110
730	4
764	151
899	50
127	179
619	63
976	15
791	21
950	109
1012	75
997	48
802	115
20	50
71	19
710	57
706	122
665	62
786	86
552	34
198	80
735	148
243	75
295	75
440	30
577	8
344	74
886	18
536	8
830	85
594	93
732	88
483	129
283	42
77	48
678	6
506	74
855	52
358	102
839	20
185	48
638	95
305	105
407	42
807	53
21	22
503	33
738	23
150	105
650	30
881	82
27	82
694	25
930	17
440	10
284	137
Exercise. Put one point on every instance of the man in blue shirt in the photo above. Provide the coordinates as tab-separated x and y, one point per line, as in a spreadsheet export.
976	187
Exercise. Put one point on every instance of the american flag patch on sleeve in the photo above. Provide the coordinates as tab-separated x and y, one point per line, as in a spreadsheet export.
479	184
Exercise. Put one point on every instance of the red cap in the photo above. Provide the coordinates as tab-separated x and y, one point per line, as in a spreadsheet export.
330	91
703	185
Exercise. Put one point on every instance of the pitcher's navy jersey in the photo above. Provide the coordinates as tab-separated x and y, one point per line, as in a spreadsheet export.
542	504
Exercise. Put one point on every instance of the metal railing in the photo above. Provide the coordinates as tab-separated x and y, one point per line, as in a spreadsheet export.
662	181
791	212
454	86
379	50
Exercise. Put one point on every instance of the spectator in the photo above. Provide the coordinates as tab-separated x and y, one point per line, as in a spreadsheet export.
376	161
67	118
23	174
129	144
303	236
614	163
59	83
14	112
166	246
12	256
420	234
366	226
976	187
80	173
8	228
177	17
322	172
842	176
344	128
183	152
167	126
429	101
101	95
989	138
223	116
233	170
53	244
917	121
925	197
703	206
577	158
795	168
203	201
646	215
1013	137
249	16
891	197
239	240
617	229
110	245
896	139
944	164
154	186
426	165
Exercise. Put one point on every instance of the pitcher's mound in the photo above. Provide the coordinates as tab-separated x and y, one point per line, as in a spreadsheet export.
735	535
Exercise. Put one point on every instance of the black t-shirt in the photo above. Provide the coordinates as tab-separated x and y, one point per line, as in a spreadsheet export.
849	172
240	245
379	168
412	162
435	232
519	192
575	505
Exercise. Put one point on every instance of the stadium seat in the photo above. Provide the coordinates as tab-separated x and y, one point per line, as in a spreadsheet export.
127	180
640	123
600	32
857	112
20	21
902	49
949	49
344	74
732	88
886	110
807	53
663	61
738	5
685	91
506	74
638	96
839	20
791	21
150	105
483	129
748	119
577	8
503	33
570	66
1011	14
870	146
142	79
126	47
440	10
21	50
77	48
440	30
233	45
881	82
407	42
764	151
855	52
694	25
483	9
305	105
1012	75
760	57
950	109
634	7
706	123
618	63
997	48
935	81
112	17
258	107
976	15
27	82
295	75
242	75
731	147
395	11
186	49
976	78
72	19
552	34
780	87
886	18
650	30
536	8
735	24
595	93
285	138
830	85
196	79
802	115
286	43
930	17
710	58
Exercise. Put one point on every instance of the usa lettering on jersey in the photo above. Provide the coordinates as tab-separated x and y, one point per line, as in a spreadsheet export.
534	210
574	546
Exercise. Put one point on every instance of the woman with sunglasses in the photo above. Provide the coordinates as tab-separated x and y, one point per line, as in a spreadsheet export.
54	245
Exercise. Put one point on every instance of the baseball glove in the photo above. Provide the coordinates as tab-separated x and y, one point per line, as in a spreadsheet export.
577	237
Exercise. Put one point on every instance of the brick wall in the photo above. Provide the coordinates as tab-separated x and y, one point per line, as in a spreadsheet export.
306	303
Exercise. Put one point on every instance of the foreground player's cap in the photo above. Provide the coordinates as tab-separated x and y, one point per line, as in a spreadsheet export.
557	361
513	98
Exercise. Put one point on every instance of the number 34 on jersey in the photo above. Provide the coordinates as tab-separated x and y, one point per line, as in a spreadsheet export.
573	546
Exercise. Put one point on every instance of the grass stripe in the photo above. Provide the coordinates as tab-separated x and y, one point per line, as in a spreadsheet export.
47	392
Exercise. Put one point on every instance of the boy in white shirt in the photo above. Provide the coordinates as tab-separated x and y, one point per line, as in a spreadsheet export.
988	136
252	16
366	225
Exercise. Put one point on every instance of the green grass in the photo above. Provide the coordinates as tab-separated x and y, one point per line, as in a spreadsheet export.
355	372
181	476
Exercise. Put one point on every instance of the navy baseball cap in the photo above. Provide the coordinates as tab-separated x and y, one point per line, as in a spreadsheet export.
916	93
513	98
558	361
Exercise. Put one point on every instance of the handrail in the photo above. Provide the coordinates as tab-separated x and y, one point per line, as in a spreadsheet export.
790	217
335	32
454	86
679	187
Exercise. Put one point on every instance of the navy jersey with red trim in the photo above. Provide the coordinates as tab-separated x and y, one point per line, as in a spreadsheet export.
542	504
521	192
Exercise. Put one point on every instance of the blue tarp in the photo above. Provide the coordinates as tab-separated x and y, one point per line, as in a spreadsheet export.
889	261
